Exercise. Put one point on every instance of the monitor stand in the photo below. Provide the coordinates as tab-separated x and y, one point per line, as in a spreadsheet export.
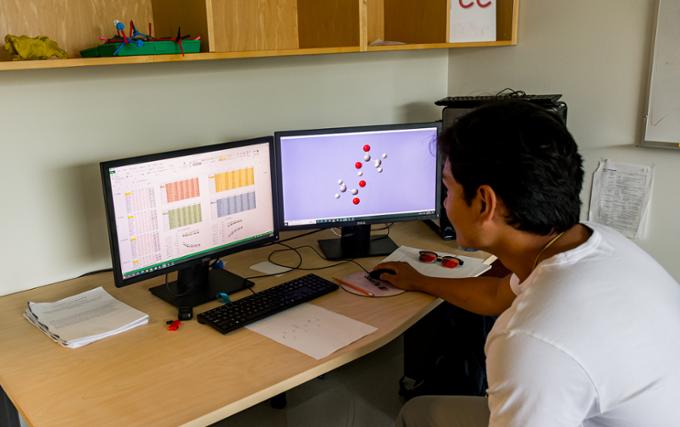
356	242
199	284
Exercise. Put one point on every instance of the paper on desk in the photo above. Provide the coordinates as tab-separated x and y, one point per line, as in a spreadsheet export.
267	267
472	267
620	196
83	318
312	330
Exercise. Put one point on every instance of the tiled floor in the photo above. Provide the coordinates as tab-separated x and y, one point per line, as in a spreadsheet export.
362	393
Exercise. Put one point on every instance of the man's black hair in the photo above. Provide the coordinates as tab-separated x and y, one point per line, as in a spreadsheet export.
527	155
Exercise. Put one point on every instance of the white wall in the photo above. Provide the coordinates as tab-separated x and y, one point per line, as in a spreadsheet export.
595	53
57	125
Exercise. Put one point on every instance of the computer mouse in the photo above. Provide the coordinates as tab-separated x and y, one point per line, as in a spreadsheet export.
375	274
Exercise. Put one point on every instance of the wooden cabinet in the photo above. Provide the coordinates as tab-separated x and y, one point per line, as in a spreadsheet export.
243	28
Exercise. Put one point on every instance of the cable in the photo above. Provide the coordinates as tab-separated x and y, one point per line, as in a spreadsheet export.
511	93
385	227
299	255
89	273
383	236
299	235
288	248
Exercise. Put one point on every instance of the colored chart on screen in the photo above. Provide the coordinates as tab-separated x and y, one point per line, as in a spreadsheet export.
181	190
184	216
234	179
235	204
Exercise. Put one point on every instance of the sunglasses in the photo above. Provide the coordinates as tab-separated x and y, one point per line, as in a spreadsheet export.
447	261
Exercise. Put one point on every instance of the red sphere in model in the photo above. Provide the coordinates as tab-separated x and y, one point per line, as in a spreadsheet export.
358	165
367	148
362	183
356	200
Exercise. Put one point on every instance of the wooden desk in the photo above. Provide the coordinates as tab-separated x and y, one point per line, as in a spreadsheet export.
195	376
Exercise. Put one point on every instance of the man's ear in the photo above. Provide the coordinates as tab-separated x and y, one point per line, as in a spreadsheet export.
488	202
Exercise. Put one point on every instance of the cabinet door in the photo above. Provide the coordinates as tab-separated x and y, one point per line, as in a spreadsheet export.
246	25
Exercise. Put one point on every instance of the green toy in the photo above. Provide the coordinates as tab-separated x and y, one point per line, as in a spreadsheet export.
40	47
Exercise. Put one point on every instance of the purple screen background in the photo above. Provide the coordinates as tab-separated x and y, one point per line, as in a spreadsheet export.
312	165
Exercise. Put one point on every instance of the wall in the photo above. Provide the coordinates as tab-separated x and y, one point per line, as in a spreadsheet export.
57	125
595	53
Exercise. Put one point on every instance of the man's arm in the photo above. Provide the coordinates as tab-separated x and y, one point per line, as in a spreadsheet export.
488	296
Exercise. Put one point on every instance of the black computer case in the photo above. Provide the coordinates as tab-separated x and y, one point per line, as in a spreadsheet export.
457	106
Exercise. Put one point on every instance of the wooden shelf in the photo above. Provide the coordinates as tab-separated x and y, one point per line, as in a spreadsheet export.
148	59
232	29
439	46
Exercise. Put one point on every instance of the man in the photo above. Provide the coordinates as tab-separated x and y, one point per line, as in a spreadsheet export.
589	326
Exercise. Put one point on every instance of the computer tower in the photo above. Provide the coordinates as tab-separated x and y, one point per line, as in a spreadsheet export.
457	106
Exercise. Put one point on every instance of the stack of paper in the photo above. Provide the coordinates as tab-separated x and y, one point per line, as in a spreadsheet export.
84	318
472	267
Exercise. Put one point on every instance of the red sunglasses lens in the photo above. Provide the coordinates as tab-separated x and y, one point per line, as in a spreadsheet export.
450	262
428	257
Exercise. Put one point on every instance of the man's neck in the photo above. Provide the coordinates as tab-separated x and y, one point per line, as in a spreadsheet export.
519	250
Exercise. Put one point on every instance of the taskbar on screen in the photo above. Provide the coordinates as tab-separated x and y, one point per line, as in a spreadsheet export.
361	219
175	261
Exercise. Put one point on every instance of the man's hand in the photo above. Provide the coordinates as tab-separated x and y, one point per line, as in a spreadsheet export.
489	296
406	277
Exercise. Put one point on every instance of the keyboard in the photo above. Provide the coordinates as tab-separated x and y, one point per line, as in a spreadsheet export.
476	101
239	313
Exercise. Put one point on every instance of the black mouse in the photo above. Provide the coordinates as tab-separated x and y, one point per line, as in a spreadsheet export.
375	274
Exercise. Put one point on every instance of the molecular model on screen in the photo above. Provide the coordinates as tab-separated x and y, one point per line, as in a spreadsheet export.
359	166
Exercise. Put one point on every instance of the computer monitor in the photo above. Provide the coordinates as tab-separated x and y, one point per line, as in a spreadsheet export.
353	177
177	211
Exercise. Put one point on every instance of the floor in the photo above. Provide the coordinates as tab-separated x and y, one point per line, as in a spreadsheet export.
362	393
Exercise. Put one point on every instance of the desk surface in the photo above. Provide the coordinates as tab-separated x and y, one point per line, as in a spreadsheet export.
194	376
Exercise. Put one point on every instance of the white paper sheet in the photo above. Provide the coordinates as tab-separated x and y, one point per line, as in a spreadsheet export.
473	21
620	196
267	267
312	330
472	267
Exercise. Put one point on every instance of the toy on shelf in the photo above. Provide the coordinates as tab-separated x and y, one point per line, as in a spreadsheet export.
138	43
40	47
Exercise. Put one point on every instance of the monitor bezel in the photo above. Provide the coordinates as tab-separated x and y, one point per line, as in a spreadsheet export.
119	280
385	219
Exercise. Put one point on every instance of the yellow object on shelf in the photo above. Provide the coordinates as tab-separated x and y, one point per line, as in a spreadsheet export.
40	47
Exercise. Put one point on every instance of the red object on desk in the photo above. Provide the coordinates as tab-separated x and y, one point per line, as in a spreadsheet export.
174	325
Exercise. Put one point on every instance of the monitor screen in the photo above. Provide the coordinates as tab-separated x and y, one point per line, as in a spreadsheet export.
360	175
173	210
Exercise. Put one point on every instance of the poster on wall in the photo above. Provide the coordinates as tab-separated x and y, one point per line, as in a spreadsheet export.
620	197
472	21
